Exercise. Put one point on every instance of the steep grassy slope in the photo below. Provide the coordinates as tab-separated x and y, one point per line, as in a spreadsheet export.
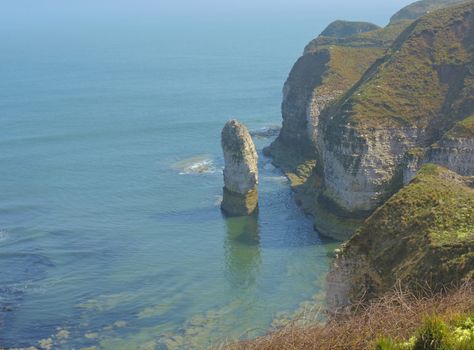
420	8
315	80
427	74
331	64
410	98
322	74
378	38
464	128
342	29
355	104
455	150
422	236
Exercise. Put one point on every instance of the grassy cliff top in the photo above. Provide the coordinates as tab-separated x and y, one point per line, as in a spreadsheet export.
437	205
464	128
365	34
349	57
426	72
385	36
423	235
341	29
347	65
420	8
380	38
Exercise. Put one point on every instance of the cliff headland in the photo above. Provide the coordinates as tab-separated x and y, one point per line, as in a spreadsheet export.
378	143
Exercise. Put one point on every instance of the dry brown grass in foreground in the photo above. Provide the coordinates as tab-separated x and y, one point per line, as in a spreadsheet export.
397	316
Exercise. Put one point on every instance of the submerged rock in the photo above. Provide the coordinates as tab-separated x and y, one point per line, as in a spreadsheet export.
240	172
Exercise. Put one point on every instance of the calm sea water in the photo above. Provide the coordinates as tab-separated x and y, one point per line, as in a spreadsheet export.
110	180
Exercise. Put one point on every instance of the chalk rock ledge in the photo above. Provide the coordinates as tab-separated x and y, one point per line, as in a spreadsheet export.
240	172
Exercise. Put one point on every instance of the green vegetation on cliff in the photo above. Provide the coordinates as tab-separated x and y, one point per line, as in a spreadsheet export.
364	34
420	8
377	38
464	128
331	64
436	334
426	80
341	29
436	205
355	104
346	66
423	234
324	73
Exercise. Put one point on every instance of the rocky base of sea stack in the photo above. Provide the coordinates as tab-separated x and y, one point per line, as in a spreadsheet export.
236	204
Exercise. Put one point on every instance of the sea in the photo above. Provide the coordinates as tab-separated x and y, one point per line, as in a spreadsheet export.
111	235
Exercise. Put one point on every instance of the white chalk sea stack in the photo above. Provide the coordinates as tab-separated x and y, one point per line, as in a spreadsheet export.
240	172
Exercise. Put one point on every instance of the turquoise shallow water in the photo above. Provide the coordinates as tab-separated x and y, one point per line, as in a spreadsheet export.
110	180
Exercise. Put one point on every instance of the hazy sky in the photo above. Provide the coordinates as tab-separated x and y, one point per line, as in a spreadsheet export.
15	11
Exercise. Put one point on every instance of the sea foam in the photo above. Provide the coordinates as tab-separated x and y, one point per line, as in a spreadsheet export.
201	164
266	131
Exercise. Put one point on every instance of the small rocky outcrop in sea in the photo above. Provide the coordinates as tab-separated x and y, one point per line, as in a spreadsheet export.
240	172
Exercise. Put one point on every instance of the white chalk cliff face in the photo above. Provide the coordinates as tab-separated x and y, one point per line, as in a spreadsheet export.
455	151
363	140
298	93
241	170
319	101
455	154
360	165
